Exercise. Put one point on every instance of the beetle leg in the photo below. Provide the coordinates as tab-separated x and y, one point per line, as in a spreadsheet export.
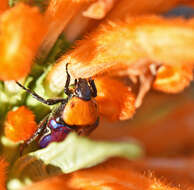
66	89
93	87
38	132
40	99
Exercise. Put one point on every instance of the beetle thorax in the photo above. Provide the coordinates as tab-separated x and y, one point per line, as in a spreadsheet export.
79	112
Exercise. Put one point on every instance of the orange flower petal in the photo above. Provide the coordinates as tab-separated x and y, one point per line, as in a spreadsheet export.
60	14
114	99
147	42
73	17
3	173
113	175
20	124
173	79
178	170
22	30
76	17
145	38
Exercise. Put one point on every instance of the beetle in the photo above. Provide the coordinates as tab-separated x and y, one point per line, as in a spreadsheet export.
78	112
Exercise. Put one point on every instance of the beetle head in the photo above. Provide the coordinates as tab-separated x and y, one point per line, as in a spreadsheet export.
83	89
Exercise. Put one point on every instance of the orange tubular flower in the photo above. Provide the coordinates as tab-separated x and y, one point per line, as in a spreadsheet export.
78	16
3	167
58	15
73	16
114	99
20	124
109	175
146	38
18	48
147	42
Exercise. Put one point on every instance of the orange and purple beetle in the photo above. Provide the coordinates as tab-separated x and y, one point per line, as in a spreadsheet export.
78	112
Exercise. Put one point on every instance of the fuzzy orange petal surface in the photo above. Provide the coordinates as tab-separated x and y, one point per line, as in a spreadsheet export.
121	44
114	177
177	170
115	100
20	124
135	47
111	175
173	79
3	173
22	29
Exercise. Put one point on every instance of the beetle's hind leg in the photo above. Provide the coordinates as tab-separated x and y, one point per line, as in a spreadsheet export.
40	99
38	132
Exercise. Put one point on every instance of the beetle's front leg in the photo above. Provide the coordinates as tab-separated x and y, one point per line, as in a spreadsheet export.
93	87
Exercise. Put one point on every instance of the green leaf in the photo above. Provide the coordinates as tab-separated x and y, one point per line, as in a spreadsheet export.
78	152
74	153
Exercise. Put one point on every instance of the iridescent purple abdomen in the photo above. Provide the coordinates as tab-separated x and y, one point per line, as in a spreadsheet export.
56	132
